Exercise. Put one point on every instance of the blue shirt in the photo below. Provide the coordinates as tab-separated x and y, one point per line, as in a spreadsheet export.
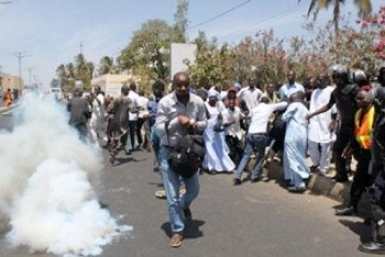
152	107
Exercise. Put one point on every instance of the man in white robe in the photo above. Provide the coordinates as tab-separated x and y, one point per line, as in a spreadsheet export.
321	128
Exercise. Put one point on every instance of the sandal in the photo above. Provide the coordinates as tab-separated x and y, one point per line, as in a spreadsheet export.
160	194
176	240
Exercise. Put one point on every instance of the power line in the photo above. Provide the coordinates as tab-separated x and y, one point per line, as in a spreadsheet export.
220	15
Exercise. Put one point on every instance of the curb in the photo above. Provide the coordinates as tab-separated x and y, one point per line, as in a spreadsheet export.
318	185
7	110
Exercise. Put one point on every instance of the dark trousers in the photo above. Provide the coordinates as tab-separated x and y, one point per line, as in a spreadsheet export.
277	133
344	137
377	197
139	131
362	178
235	147
82	130
132	125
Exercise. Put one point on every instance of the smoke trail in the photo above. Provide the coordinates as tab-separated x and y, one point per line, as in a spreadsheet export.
44	185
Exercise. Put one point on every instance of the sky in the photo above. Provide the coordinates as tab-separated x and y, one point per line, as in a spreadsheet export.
50	32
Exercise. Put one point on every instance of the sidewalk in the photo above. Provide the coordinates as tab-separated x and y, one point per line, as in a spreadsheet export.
7	110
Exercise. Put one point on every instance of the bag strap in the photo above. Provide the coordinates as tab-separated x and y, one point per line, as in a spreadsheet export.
167	132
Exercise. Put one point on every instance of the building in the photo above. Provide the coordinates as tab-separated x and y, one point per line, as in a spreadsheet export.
112	83
10	81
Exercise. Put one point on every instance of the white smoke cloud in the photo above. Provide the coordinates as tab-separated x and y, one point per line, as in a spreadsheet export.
45	188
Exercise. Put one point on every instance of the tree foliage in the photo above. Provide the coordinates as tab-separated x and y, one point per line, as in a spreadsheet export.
80	69
107	66
268	58
364	9
148	53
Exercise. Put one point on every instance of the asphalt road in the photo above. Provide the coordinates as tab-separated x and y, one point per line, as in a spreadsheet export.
261	219
6	122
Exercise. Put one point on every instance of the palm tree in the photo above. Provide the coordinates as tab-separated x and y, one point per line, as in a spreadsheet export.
364	9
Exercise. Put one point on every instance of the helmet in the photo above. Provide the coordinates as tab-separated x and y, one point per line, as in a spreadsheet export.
359	76
339	70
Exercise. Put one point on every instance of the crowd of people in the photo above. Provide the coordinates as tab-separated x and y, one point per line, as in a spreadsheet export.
337	116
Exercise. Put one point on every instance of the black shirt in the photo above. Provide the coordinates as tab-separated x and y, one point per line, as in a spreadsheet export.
346	104
79	111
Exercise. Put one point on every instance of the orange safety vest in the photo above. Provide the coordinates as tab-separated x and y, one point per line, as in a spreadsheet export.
363	130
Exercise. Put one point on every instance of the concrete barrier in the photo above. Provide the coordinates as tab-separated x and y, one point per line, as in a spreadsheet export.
319	185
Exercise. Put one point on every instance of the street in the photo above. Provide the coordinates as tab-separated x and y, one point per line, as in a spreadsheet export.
260	219
5	122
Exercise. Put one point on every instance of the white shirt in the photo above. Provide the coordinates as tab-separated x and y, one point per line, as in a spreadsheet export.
287	90
134	98
142	104
250	97
260	116
319	131
233	116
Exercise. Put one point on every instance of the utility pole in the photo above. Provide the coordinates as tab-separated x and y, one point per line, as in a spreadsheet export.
20	56
81	48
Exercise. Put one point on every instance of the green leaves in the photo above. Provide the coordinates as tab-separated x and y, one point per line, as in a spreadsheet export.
82	70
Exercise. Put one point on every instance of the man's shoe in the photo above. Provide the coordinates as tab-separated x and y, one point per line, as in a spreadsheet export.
372	247
176	240
237	182
187	213
254	180
298	190
348	211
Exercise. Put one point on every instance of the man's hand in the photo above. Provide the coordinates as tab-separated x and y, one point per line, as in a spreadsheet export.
347	153
333	126
184	120
308	117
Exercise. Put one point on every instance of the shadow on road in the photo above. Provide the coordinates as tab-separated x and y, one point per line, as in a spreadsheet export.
359	228
121	161
192	229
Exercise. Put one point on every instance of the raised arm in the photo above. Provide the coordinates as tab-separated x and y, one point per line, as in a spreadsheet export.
323	109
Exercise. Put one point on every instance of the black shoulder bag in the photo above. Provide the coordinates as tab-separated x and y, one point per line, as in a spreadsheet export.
185	158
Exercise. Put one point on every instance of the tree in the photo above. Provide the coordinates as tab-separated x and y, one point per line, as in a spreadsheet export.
181	20
149	50
106	65
364	9
69	73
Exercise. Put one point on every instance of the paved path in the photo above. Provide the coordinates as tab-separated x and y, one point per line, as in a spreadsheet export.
262	220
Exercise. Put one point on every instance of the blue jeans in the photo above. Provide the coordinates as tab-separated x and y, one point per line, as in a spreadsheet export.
171	183
155	141
254	143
